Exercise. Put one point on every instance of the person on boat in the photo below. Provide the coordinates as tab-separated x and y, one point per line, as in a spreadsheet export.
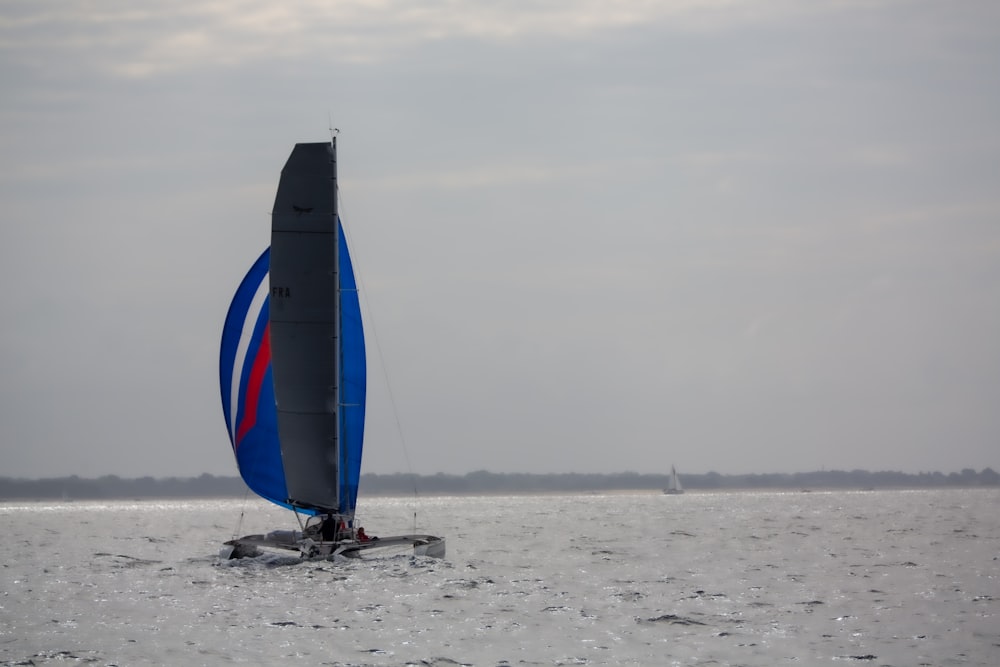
362	536
332	528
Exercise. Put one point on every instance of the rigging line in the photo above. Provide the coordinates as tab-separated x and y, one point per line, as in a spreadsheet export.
243	511
358	277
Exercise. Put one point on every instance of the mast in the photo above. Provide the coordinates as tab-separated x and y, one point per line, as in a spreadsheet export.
338	364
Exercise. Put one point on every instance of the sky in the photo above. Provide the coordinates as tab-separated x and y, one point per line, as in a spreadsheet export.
741	236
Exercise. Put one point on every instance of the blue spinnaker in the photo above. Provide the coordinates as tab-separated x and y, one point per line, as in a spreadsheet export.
246	382
247	388
353	381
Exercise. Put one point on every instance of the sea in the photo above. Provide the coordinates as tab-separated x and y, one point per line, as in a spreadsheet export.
901	578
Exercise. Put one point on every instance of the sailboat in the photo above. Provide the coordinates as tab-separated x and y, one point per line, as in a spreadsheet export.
673	484
292	372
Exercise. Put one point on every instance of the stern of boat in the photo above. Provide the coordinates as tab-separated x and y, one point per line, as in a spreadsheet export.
433	547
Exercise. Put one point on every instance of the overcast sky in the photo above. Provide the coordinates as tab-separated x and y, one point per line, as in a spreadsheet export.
735	236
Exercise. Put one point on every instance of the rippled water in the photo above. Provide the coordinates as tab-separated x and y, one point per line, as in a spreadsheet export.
870	578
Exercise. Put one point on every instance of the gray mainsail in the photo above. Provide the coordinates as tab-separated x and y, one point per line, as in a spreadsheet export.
304	324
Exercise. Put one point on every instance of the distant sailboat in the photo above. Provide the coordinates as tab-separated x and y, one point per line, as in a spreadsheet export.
674	484
293	372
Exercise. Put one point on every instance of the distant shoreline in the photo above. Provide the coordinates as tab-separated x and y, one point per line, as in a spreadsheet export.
483	483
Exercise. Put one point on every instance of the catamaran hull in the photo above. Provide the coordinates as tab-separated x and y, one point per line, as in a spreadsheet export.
252	546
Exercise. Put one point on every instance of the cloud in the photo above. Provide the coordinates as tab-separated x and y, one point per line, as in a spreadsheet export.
122	39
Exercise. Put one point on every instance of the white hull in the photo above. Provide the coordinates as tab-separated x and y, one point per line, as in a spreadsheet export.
287	540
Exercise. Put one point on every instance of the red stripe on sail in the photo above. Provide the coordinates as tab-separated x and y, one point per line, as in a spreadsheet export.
257	373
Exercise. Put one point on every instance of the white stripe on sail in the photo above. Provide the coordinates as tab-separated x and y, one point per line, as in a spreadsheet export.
253	313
